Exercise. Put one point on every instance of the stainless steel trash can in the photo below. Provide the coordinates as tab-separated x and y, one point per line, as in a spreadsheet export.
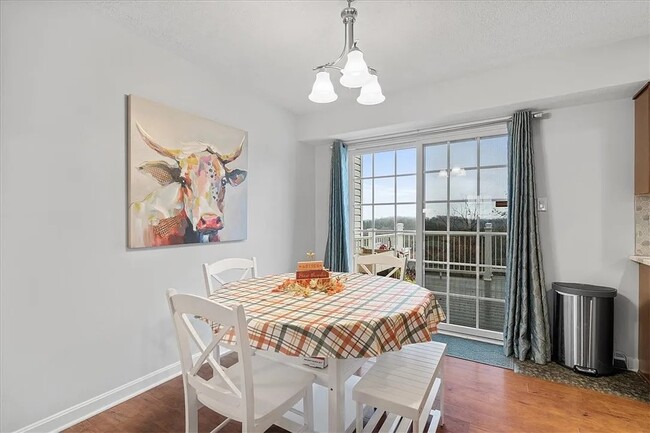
583	335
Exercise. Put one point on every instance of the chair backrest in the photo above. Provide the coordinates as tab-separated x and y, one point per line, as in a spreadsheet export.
221	319
368	264
211	271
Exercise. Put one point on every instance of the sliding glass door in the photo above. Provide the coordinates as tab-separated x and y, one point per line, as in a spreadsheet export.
464	231
456	243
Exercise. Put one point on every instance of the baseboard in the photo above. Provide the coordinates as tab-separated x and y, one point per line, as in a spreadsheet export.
633	364
79	412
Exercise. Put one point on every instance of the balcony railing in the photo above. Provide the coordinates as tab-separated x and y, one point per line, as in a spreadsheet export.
463	250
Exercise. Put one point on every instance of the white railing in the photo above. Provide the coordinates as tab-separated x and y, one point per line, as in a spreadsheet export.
460	246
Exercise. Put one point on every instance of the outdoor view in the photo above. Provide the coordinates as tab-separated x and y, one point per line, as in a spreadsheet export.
464	221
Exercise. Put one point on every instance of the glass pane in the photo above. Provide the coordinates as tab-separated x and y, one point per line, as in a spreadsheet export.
406	189
435	249
385	217
366	165
366	215
494	150
385	190
492	217
463	216
406	163
435	187
462	154
492	283
435	217
462	249
462	311
494	183
462	279
435	277
491	315
385	163
366	192
463	186
406	216
442	300
435	157
493	249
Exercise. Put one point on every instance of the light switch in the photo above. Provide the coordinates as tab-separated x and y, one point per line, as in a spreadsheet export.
542	204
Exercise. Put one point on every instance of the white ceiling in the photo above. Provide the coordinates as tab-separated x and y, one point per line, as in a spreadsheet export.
271	46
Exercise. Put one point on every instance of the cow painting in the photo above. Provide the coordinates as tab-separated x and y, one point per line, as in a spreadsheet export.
189	206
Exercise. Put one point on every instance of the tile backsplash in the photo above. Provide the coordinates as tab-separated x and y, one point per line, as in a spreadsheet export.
642	225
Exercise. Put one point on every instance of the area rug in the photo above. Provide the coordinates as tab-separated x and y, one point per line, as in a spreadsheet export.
622	383
477	351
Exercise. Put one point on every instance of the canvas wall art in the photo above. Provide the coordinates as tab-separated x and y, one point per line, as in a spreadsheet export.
187	177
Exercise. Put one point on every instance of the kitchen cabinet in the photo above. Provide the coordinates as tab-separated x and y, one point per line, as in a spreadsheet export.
642	141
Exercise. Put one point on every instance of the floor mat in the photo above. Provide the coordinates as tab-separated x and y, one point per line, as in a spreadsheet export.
622	383
477	351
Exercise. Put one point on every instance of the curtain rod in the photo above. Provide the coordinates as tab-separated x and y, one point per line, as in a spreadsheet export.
536	115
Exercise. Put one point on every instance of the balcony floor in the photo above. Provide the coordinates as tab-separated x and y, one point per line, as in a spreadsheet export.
463	310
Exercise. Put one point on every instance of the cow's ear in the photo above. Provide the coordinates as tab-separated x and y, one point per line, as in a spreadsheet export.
236	176
164	173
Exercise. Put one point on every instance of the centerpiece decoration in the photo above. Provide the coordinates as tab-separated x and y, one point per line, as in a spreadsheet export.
311	277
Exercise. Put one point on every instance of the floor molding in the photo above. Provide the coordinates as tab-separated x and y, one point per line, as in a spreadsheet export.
84	410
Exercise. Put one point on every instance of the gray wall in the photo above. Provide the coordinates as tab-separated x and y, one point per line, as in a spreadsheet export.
82	315
585	166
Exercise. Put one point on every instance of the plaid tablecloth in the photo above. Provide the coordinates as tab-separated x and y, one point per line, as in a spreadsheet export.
372	315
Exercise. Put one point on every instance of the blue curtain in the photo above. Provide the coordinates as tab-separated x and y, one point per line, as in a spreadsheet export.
336	251
526	330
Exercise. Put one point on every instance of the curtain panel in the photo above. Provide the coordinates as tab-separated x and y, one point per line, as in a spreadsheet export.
336	250
526	330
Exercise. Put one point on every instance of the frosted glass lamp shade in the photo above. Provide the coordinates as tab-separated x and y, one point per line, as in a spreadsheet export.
371	93
322	91
355	73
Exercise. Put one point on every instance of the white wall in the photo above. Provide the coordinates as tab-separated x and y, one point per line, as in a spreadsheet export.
584	160
585	166
81	314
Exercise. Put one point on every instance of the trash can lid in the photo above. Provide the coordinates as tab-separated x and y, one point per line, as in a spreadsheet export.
585	290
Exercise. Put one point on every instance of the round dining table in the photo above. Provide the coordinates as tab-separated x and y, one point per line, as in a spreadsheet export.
370	316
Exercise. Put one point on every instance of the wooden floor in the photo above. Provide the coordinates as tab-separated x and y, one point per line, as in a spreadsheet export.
479	399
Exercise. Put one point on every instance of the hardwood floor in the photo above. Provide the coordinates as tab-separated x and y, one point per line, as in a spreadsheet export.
479	399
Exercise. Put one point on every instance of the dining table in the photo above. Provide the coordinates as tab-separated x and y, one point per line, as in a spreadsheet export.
370	316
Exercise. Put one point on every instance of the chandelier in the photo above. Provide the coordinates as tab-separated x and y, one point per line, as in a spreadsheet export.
355	74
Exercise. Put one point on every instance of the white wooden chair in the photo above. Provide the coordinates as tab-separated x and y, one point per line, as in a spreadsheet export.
404	385
212	271
372	263
256	391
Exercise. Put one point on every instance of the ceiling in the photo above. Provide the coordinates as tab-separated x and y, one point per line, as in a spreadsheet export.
271	46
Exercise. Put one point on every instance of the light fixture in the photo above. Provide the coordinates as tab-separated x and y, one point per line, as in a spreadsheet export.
355	74
455	171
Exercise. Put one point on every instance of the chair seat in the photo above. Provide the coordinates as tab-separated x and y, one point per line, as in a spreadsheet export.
275	385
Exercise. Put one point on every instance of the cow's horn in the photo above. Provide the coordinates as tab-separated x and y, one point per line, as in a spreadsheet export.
229	157
155	146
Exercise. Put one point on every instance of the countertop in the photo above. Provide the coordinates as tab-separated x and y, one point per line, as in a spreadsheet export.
644	260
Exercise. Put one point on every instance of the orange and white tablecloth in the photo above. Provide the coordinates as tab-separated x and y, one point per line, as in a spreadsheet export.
370	316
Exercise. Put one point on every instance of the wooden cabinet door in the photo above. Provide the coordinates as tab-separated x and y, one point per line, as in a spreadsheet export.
642	141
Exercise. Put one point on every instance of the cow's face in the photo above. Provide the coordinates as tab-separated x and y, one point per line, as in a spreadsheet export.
202	175
204	181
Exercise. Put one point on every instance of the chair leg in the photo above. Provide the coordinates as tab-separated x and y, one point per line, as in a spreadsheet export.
359	428
308	408
191	411
416	426
442	391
